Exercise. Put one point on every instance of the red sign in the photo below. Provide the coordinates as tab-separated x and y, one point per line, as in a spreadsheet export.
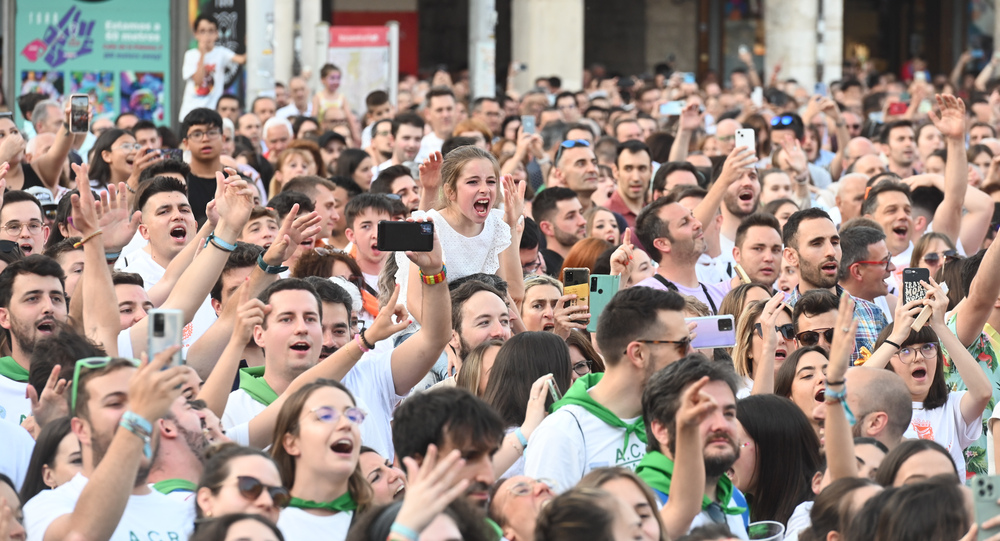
409	43
359	36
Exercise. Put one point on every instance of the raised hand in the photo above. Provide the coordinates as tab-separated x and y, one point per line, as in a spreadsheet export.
797	160
691	117
843	343
85	217
155	385
429	263
383	327
736	163
623	258
249	314
951	121
52	404
430	487
233	199
11	147
430	172
536	412
513	200
119	225
294	229
937	299
569	317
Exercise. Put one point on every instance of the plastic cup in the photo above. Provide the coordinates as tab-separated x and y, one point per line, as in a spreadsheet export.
767	530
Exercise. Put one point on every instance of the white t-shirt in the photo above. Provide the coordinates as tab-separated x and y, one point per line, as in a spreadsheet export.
299	525
240	409
726	261
800	520
572	441
211	88
710	271
371	383
946	426
14	407
150	517
429	144
15	453
291	110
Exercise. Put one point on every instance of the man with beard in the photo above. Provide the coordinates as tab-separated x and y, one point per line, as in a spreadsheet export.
32	303
690	413
737	191
114	405
478	314
634	170
599	421
675	240
557	211
178	461
813	244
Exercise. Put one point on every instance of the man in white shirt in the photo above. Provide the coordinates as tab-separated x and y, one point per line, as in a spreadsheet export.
167	223
179	460
277	134
736	192
363	213
599	421
758	249
439	112
114	406
407	131
301	104
204	69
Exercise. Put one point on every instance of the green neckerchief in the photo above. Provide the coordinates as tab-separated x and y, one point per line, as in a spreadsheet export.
578	395
252	381
343	503
656	469
495	528
173	485
10	369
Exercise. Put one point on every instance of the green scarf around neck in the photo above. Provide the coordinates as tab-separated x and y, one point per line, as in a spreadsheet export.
167	486
344	503
252	381
578	395
656	470
11	370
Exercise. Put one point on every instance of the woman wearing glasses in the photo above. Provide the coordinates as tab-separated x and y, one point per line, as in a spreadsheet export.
116	158
317	447
239	479
765	336
932	251
951	418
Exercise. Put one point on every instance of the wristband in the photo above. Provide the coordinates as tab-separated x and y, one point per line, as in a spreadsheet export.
404	531
219	243
364	348
368	344
139	426
112	255
840	396
893	344
88	237
269	268
438	278
520	437
842	382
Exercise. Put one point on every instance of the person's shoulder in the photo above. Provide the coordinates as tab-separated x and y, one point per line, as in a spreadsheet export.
651	282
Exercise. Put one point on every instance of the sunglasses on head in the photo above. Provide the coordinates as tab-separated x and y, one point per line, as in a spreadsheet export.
787	330
251	487
783	120
811	338
934	257
571	143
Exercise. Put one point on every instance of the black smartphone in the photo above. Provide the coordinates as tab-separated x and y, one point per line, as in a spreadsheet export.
405	236
577	281
79	113
912	290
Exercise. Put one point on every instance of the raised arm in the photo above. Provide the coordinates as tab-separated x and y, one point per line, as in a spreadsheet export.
732	170
973	312
839	439
689	123
840	134
951	124
956	73
902	319
49	165
430	181
510	258
215	390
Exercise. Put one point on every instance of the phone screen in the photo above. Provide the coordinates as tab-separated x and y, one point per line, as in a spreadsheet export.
527	124
79	113
405	236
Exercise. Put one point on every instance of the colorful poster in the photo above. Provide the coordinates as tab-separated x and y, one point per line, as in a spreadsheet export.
117	51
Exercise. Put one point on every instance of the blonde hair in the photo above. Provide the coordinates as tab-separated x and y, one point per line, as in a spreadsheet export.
453	165
275	186
471	124
744	338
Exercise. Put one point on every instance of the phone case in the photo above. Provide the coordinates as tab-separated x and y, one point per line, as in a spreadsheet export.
577	285
394	236
169	335
745	138
602	288
714	332
912	290
985	492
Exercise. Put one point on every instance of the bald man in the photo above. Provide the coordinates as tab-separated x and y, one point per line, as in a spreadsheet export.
849	197
868	165
725	134
301	104
856	148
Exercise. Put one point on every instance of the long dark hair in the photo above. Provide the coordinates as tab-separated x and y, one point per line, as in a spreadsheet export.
891	464
375	524
524	358
937	395
217	528
926	511
787	455
786	373
832	510
100	170
44	454
218	459
349	161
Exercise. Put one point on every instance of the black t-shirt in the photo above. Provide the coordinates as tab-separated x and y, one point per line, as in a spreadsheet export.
553	263
31	178
200	191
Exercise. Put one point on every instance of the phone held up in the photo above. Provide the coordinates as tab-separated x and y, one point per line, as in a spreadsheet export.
165	331
405	236
79	113
912	290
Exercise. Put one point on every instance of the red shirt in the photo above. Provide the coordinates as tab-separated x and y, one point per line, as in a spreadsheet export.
617	204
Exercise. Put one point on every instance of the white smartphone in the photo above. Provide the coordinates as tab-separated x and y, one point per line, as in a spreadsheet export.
757	97
713	332
745	138
165	330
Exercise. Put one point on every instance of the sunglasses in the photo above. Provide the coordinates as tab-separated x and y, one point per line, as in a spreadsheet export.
327	414
783	120
681	346
932	258
811	338
90	363
787	330
571	143
251	488
8	246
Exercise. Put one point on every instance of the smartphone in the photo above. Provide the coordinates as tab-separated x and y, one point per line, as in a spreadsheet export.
757	97
405	236
672	108
165	331
898	108
977	53
985	492
912	290
745	138
820	89
602	288
920	76
79	113
168	153
576	281
689	78
554	391
528	124
743	49
713	332
744	277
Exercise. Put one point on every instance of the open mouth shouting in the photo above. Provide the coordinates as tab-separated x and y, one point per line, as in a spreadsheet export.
400	492
746	197
47	326
178	233
820	396
343	446
780	354
27	248
901	232
482	206
919	374
302	347
829	268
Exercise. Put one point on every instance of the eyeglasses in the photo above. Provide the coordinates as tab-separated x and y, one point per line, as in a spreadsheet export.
251	487
582	368
811	338
932	258
89	363
534	266
908	354
382	133
327	414
523	488
787	330
571	143
854	126
882	263
682	346
213	133
725	138
783	120
14	228
128	147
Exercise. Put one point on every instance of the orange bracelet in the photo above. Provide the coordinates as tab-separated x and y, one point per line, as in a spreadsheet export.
88	237
438	278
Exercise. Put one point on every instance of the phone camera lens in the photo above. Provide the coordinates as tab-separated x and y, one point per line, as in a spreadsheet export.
725	325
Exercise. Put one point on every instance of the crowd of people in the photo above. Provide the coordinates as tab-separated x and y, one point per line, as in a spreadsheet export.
332	389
